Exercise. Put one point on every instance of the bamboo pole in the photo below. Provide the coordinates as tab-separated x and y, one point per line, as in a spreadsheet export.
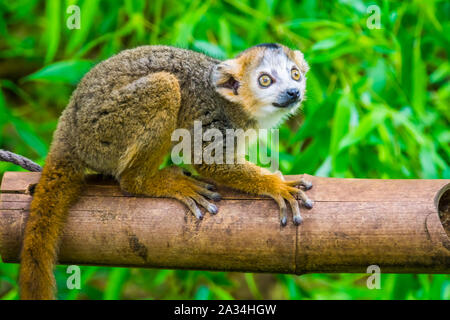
394	224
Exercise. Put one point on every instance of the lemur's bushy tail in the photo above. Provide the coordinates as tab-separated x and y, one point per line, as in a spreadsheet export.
58	187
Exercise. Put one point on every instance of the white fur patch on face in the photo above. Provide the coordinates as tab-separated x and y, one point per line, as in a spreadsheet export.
278	66
269	116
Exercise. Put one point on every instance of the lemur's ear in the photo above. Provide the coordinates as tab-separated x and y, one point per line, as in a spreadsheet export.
301	62
225	78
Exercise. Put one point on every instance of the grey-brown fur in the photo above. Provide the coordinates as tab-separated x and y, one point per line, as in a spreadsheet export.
99	129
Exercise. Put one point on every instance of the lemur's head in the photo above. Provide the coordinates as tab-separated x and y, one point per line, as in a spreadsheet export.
268	80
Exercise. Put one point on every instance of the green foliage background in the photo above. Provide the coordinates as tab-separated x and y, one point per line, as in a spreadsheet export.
378	107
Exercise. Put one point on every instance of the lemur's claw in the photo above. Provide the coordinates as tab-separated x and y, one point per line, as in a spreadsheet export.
298	220
307	184
283	212
216	196
212	208
211	195
308	203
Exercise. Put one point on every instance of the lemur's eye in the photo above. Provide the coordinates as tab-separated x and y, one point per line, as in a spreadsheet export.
265	80
295	74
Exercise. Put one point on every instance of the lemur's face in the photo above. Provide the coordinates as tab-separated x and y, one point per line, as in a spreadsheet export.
267	80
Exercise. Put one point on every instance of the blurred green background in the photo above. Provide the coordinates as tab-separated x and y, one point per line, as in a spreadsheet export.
378	107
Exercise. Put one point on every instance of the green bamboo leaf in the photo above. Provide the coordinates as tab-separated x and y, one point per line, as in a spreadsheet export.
403	285
116	280
225	35
341	122
331	42
400	118
53	24
64	71
28	136
203	293
134	6
220	293
378	75
441	73
250	280
209	49
157	15
315	92
162	276
429	170
308	23
310	159
13	294
292	288
445	291
419	81
325	168
367	124
4	113
325	56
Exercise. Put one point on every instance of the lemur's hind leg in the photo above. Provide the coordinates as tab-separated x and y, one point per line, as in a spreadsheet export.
138	170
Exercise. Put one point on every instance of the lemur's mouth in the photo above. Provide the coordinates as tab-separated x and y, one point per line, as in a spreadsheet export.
288	98
285	104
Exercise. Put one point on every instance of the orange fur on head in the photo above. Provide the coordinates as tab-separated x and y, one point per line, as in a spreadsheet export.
236	79
299	58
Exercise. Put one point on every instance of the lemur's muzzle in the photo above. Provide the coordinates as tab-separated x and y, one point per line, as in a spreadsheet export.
288	98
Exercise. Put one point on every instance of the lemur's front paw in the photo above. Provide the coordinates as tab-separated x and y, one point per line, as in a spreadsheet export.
285	190
193	191
174	182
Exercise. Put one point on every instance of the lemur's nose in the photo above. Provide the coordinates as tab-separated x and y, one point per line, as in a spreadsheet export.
293	93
